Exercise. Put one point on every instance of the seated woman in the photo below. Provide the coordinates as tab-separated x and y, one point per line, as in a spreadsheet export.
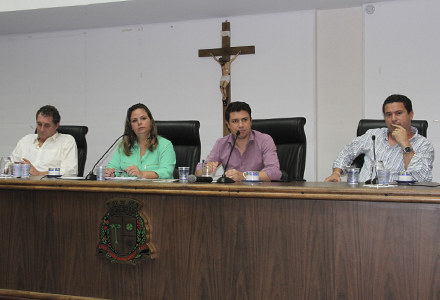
142	153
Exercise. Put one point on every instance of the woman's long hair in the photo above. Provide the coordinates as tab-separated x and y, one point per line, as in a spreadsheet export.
130	136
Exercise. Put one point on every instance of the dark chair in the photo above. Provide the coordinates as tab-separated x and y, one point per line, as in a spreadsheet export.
79	134
186	141
290	139
366	124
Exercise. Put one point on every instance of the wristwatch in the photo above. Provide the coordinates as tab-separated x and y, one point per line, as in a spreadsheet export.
407	149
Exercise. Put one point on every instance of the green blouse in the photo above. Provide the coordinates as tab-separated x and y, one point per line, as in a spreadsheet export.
162	160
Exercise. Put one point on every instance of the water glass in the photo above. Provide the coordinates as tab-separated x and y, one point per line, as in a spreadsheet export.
353	175
100	173
183	174
207	170
383	176
5	164
25	170
16	170
377	165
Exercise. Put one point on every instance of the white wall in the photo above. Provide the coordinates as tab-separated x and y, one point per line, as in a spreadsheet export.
339	82
402	47
93	76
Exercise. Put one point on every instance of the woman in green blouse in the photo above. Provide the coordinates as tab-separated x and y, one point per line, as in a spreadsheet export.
142	153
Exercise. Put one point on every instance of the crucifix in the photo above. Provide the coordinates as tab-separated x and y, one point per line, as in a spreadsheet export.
225	61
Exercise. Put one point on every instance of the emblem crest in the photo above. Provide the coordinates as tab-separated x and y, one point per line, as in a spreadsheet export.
124	233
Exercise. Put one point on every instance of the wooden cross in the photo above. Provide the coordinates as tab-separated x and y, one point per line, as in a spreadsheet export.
225	52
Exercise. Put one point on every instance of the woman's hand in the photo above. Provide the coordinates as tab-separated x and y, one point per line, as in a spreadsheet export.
109	172
134	171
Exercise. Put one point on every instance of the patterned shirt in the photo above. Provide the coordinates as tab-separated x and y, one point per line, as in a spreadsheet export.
392	156
260	155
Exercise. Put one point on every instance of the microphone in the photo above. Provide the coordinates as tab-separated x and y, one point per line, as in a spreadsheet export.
374	146
194	178
92	176
373	180
223	178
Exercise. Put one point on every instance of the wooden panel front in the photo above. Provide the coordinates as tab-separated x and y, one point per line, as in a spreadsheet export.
211	247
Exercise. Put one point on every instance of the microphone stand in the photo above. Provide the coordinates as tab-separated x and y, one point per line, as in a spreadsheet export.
92	176
223	178
373	180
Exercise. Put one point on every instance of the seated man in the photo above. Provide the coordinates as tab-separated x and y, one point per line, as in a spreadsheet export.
399	146
48	148
253	151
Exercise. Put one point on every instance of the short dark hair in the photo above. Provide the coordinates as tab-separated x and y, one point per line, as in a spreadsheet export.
235	107
49	111
398	98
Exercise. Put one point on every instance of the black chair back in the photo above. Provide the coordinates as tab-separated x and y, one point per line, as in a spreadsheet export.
290	139
186	141
79	134
366	124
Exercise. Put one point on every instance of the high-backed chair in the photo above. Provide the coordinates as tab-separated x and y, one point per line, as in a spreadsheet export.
366	124
79	134
186	141
290	139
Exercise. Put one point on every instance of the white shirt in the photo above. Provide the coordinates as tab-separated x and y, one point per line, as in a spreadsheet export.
392	156
58	151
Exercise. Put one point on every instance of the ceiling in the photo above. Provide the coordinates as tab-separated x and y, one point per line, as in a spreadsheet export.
150	11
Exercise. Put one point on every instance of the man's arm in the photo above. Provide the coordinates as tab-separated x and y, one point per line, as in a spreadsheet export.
213	156
335	177
422	160
69	160
17	153
239	52
419	160
214	57
271	170
356	147
401	136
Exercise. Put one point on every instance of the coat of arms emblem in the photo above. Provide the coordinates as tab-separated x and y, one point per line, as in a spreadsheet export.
124	233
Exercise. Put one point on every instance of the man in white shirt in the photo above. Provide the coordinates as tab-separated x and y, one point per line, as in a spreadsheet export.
48	148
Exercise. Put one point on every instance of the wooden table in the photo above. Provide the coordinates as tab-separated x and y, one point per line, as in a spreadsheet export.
300	240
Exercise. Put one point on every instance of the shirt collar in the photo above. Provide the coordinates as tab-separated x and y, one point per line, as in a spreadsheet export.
53	138
231	138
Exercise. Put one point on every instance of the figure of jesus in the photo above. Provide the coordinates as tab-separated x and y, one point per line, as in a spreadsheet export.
226	74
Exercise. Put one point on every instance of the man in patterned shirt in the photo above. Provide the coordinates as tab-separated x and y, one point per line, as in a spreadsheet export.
399	146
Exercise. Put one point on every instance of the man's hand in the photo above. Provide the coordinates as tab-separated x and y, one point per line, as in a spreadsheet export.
400	135
32	171
235	175
335	177
213	165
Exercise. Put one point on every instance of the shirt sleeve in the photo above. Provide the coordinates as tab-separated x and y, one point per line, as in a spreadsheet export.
352	150
115	162
421	163
16	154
69	162
270	159
167	161
214	155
